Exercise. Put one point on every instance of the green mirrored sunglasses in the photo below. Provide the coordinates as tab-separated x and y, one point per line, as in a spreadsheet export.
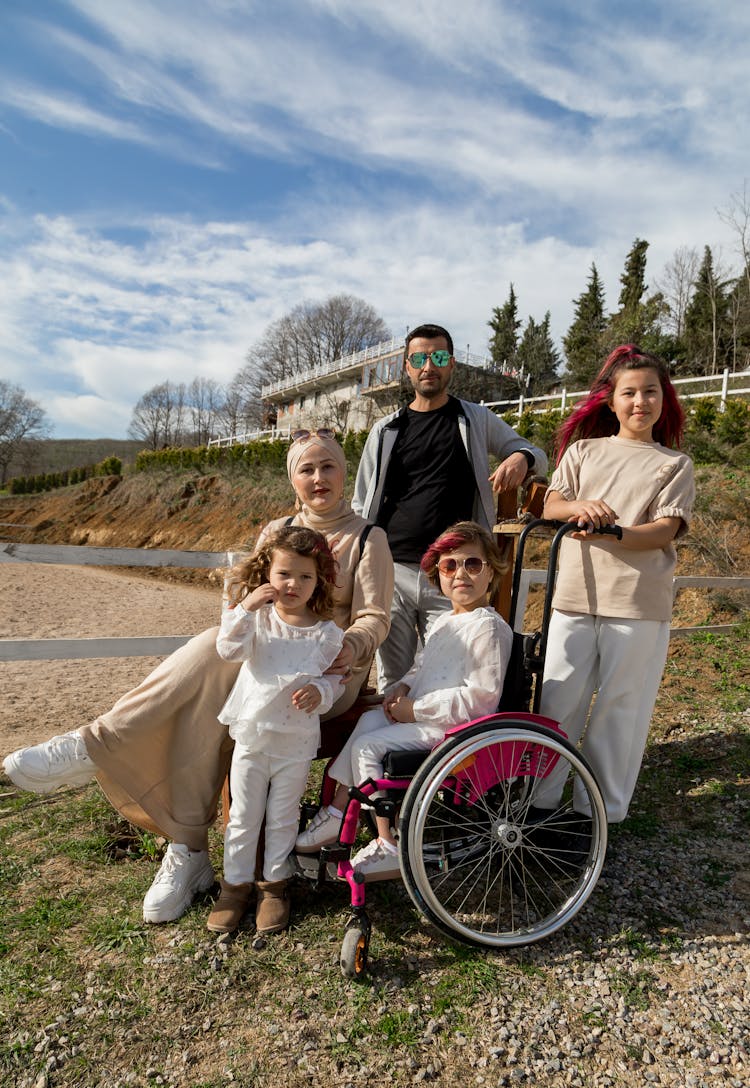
418	359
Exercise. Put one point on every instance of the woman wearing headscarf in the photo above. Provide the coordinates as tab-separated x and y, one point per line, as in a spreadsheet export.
160	754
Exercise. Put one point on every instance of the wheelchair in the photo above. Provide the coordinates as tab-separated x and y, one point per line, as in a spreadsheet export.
480	860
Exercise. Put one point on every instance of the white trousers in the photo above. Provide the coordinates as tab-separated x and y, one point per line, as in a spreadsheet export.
362	755
622	661
262	785
414	606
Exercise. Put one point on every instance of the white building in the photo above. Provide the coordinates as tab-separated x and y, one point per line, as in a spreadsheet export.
349	394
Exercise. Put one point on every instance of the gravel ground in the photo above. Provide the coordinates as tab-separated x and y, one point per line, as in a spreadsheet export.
649	984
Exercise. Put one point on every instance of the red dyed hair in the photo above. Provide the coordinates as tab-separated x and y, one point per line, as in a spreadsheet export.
465	532
593	417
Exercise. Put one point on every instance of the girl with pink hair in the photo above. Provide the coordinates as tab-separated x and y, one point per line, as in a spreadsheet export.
609	631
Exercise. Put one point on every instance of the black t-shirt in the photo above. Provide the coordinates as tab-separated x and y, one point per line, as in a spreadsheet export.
429	482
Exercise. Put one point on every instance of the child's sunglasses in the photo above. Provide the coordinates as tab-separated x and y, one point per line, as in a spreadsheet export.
418	359
473	565
322	432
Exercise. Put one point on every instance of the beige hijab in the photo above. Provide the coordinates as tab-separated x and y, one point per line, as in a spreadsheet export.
340	516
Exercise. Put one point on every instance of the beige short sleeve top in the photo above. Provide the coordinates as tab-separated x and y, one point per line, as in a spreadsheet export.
642	482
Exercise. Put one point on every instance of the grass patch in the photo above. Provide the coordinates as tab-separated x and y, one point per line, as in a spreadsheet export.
113	995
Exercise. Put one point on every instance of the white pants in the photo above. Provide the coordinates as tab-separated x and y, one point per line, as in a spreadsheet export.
414	606
362	755
262	785
622	661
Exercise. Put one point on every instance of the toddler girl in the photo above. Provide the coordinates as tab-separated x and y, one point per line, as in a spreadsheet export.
609	631
457	677
277	622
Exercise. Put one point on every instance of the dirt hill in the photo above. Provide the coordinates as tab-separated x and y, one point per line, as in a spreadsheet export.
221	512
149	510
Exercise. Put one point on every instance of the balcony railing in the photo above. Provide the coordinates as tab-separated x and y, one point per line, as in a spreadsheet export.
359	358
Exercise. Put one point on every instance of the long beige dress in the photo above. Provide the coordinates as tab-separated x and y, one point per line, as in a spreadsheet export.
161	754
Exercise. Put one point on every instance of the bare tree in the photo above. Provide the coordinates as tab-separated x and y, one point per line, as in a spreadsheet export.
313	334
737	216
676	287
159	416
23	423
204	400
242	410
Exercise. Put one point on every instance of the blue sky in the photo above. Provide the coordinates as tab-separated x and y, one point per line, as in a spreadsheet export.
176	174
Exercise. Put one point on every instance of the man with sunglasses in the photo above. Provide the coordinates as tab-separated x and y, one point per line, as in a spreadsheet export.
424	468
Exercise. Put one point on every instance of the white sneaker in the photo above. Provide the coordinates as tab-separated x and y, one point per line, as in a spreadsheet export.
322	830
182	874
375	862
61	761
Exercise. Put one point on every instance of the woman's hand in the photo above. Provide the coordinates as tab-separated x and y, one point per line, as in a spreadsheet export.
307	698
264	594
342	664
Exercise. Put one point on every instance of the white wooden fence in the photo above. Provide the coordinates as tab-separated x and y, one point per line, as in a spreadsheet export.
714	385
158	645
49	649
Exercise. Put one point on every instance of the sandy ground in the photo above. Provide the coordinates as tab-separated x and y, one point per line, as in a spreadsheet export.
41	698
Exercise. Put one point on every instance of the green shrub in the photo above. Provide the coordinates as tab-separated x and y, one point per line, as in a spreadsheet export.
110	466
547	424
702	414
733	424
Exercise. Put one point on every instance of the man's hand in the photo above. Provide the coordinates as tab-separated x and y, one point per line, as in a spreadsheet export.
510	473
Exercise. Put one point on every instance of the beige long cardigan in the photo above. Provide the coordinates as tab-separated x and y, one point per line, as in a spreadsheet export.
161	754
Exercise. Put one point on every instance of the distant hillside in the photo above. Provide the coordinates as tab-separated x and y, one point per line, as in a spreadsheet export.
224	511
56	454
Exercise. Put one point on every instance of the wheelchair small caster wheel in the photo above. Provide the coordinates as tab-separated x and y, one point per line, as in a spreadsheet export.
354	950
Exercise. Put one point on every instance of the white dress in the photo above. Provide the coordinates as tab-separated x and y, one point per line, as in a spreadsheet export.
278	658
274	742
457	677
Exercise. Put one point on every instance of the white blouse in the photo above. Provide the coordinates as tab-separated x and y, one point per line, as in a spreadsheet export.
278	658
459	674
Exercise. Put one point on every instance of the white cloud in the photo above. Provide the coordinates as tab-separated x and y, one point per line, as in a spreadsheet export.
190	301
447	151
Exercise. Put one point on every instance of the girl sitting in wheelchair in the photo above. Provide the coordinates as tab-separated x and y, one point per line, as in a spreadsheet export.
457	677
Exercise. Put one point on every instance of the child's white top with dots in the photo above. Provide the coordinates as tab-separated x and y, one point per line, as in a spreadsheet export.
459	674
278	658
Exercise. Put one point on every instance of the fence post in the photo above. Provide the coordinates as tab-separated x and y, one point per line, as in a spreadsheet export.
563	399
724	390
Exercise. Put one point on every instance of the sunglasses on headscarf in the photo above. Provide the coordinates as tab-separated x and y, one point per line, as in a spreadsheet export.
322	432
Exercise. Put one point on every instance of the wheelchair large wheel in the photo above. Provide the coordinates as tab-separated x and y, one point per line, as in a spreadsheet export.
480	860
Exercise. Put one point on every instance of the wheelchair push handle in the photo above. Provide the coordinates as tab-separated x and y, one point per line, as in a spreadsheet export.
572	526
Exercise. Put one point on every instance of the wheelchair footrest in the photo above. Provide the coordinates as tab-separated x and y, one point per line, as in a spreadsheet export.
334	853
403	764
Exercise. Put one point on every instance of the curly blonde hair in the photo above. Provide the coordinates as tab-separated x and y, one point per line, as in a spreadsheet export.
253	571
465	532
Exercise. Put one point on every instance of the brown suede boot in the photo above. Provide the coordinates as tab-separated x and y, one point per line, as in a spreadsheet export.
272	912
229	908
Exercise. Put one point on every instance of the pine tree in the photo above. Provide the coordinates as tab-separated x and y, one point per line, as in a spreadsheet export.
705	320
636	321
583	340
738	319
537	355
505	324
